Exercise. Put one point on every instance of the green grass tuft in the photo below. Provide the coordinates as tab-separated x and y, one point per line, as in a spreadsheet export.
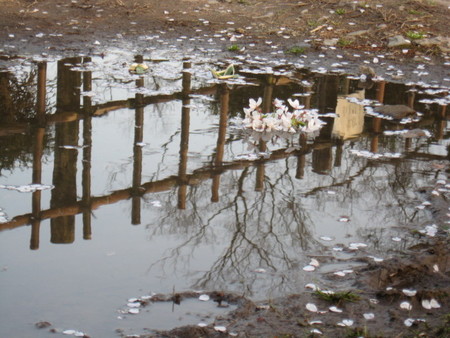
337	297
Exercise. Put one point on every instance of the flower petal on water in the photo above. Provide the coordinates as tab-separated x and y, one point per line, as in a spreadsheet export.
133	311
315	322
311	307
69	332
311	286
309	268
202	324
326	238
204	298
314	262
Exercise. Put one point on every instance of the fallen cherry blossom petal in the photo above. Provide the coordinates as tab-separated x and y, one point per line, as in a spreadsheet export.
335	309
406	305
409	292
311	307
203	298
369	316
220	328
309	268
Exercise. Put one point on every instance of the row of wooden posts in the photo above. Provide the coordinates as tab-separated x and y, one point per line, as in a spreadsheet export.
64	205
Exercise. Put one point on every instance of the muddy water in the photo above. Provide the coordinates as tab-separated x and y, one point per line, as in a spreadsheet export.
114	186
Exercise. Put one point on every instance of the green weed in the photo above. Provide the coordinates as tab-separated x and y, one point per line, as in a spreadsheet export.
337	297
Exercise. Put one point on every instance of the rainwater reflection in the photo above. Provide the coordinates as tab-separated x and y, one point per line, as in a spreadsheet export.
159	151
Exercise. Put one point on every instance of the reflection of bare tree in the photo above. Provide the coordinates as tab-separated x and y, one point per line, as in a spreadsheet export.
269	229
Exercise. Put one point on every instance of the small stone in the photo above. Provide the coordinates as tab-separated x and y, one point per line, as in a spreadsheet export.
398	41
330	42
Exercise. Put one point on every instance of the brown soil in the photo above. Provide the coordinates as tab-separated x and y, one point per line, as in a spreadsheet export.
289	22
379	287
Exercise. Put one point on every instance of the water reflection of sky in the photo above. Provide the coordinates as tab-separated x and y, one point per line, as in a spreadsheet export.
237	217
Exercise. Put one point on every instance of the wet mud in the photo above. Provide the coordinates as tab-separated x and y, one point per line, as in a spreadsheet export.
423	269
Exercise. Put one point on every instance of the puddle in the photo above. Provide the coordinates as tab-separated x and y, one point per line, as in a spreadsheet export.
152	185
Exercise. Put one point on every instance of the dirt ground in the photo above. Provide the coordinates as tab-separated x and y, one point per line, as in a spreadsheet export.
45	25
82	26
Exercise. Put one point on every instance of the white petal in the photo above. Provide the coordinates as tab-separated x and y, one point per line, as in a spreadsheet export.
311	286
405	305
335	309
409	292
204	298
202	324
314	322
309	268
220	328
434	304
316	331
69	332
314	262
369	316
311	307
409	322
347	322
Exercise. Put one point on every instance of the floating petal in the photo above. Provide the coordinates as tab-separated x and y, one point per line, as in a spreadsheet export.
309	268
204	298
314	262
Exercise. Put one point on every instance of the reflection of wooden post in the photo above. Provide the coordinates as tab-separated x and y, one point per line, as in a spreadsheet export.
224	93
338	153
137	150
184	142
87	152
38	149
443	113
376	120
65	166
262	146
301	159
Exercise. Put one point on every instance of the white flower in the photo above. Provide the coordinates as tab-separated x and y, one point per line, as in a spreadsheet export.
295	104
253	105
257	125
278	103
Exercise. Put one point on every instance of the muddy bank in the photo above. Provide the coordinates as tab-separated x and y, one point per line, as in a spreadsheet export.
388	299
414	28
